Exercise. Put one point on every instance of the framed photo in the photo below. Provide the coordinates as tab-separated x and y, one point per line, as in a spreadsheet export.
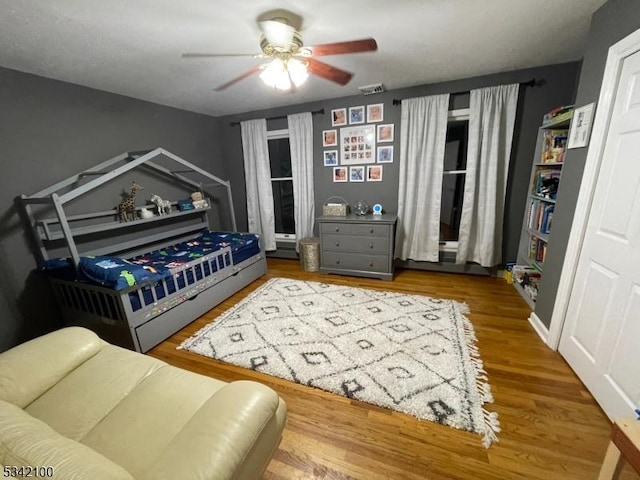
338	117
340	174
356	174
374	173
385	133
356	115
330	138
330	158
580	127
357	145
375	112
385	154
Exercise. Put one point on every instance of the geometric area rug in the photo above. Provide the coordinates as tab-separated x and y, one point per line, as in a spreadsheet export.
409	353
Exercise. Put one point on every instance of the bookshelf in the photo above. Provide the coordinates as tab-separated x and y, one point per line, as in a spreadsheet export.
543	189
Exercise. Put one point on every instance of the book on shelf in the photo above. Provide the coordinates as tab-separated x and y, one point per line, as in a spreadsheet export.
537	250
539	216
546	183
528	278
558	114
554	144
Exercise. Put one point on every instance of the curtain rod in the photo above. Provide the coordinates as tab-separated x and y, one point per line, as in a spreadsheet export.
315	112
530	83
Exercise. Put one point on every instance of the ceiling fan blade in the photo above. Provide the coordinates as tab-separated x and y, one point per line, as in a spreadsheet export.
277	33
328	72
339	48
246	74
207	55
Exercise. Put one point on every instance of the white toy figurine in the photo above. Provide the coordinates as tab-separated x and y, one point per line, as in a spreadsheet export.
164	206
145	213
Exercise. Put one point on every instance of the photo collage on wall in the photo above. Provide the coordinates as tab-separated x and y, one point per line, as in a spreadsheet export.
358	142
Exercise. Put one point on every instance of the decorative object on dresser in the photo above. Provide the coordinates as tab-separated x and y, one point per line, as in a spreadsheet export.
136	290
335	209
127	207
544	185
361	208
163	206
409	353
357	245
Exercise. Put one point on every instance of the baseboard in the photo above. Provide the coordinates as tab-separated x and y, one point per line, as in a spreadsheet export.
539	327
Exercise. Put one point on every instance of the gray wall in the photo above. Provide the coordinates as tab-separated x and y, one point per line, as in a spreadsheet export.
558	87
50	130
612	22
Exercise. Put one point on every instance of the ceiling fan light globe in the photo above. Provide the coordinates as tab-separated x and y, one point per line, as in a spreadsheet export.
297	72
275	75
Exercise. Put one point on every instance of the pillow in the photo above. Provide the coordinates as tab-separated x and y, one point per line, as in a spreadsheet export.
117	273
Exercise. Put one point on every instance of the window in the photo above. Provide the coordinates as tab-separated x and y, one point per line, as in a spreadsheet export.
282	184
454	175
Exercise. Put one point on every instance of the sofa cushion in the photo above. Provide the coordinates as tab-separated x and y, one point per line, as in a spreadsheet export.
81	400
44	361
26	441
147	420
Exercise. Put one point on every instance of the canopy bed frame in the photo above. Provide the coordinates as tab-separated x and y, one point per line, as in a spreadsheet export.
144	314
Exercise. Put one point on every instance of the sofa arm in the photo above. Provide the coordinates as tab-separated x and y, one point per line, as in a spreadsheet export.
27	442
30	369
231	437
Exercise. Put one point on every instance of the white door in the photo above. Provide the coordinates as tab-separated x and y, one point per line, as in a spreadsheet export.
601	335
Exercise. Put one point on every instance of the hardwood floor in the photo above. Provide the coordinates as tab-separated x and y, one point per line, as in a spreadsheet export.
551	426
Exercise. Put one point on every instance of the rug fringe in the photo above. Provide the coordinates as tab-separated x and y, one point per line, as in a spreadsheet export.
492	427
491	423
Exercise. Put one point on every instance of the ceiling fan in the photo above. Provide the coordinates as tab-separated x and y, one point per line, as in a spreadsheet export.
290	61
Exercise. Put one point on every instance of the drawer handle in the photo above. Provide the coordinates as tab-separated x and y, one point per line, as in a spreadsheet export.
338	262
371	264
337	229
370	245
337	244
371	230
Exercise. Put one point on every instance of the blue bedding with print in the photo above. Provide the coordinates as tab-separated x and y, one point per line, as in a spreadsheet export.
118	273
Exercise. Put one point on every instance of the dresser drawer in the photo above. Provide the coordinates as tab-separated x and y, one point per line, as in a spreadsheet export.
336	227
355	261
370	229
353	243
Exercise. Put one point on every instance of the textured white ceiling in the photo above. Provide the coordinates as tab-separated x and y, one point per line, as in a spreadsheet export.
133	47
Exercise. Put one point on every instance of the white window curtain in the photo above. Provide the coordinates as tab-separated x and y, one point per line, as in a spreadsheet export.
301	144
257	174
423	128
492	115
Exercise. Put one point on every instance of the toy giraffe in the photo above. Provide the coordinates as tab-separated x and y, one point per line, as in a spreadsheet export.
127	208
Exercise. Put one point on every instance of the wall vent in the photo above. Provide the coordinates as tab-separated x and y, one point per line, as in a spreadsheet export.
371	89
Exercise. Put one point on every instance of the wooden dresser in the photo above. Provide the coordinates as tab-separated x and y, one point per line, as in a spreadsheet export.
357	245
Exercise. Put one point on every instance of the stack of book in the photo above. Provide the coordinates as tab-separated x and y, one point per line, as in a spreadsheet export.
558	114
545	183
540	215
554	143
528	278
537	250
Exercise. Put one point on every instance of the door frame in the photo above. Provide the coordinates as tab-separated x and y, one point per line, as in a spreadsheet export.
602	121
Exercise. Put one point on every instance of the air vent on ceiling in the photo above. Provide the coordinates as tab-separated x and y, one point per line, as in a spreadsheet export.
371	89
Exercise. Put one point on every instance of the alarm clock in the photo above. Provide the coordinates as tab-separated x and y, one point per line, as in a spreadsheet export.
377	209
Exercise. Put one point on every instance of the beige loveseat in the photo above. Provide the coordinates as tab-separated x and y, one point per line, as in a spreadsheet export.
91	410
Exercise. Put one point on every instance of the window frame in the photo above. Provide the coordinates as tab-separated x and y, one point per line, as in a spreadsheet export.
276	135
458	115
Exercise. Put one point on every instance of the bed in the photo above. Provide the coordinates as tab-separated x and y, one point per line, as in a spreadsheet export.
137	292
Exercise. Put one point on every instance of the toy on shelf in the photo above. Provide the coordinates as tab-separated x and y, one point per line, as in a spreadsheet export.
164	206
127	207
198	201
146	213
